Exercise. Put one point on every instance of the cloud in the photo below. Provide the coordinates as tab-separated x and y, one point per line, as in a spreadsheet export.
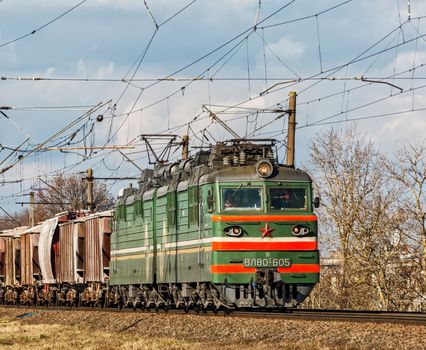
81	68
288	48
50	72
105	72
8	54
404	61
401	127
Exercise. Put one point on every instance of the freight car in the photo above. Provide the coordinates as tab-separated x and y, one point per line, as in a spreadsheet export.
228	228
62	261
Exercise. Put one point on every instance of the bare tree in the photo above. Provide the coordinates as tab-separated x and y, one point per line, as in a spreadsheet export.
63	193
11	220
409	170
361	220
68	193
346	175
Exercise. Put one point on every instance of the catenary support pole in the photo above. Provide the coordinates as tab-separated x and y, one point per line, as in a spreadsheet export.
291	128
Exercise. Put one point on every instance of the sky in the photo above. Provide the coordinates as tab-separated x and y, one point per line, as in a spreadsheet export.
99	73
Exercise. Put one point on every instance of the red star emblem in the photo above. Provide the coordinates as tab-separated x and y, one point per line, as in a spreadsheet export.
266	231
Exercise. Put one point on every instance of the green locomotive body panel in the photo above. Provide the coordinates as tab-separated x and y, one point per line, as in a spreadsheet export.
191	254
133	243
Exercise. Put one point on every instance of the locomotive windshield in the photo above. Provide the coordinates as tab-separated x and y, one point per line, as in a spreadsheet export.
241	198
287	198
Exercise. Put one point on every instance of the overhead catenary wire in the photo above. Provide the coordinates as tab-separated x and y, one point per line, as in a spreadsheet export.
132	110
45	108
43	26
215	50
322	121
319	43
139	62
314	79
185	79
178	12
16	125
306	17
266	46
356	59
150	14
404	78
98	106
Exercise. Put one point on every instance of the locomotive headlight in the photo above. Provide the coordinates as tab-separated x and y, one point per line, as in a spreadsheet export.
233	231
264	168
300	230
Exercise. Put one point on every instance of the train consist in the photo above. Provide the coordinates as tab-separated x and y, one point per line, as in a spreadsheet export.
228	228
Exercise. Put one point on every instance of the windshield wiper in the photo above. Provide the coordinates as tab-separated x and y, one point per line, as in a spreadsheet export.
236	191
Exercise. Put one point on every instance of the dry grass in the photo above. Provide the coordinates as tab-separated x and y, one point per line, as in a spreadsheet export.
17	336
49	329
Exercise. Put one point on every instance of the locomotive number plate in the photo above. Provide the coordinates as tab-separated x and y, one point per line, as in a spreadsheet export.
267	262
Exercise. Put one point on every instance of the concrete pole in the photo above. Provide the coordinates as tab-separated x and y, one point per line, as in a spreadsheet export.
31	211
185	147
90	189
291	128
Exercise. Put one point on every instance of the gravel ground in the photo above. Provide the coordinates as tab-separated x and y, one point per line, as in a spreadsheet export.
230	332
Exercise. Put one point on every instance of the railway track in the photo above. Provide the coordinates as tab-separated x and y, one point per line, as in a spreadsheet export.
344	315
290	314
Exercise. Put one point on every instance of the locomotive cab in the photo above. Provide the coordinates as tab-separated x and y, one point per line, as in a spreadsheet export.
264	235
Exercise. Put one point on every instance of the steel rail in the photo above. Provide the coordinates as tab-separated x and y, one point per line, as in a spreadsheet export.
285	314
341	315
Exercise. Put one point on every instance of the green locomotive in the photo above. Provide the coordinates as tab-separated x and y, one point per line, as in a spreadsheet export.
228	228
